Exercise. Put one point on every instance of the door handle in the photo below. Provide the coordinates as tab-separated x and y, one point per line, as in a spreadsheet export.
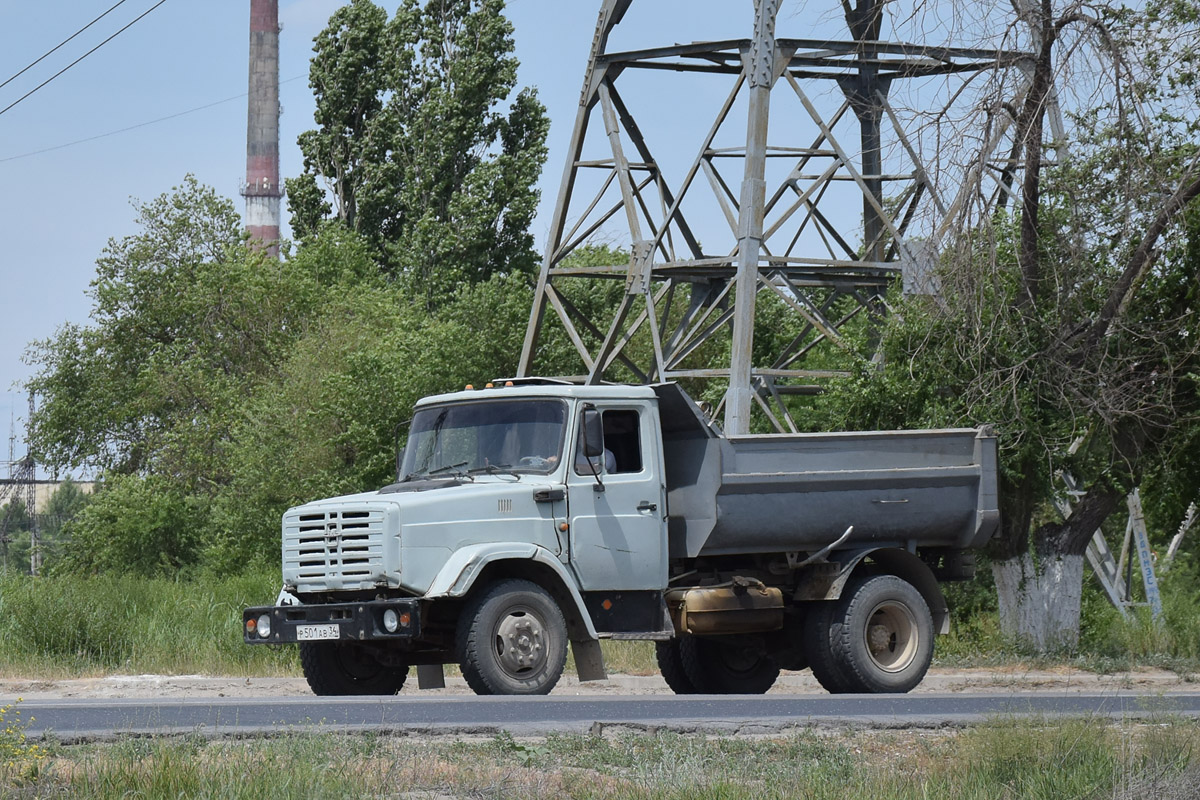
549	495
646	505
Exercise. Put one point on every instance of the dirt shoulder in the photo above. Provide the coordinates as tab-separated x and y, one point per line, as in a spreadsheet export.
938	681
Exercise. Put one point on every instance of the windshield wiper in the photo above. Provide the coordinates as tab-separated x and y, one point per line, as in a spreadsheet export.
450	467
493	469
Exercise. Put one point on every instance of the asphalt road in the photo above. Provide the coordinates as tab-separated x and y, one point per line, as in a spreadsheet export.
75	720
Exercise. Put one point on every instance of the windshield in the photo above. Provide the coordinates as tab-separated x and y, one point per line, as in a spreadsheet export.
510	436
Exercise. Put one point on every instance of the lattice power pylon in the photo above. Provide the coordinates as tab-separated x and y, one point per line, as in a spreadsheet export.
20	485
777	190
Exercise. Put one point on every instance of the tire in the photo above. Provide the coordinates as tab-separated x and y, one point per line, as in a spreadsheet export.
347	668
716	667
818	648
670	664
512	639
882	638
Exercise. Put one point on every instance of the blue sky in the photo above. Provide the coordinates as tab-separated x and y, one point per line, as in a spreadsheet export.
57	209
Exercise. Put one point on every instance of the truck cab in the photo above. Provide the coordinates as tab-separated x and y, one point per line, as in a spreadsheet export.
494	487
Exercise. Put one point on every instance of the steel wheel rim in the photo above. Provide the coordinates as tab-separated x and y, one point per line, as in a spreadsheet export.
891	636
520	643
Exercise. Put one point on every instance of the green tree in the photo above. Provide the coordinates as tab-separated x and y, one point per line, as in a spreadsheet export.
110	390
421	144
329	421
186	320
15	523
134	524
64	505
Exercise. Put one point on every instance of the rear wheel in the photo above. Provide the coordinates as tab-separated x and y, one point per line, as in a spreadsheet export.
670	664
348	668
880	637
512	639
819	631
716	667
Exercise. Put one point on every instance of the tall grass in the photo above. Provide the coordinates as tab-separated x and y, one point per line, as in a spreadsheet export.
1074	759
60	627
1108	641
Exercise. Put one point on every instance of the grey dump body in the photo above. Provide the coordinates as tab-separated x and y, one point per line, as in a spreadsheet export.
800	492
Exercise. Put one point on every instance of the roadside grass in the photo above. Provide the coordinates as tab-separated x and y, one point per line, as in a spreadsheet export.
1109	642
71	627
626	658
1082	758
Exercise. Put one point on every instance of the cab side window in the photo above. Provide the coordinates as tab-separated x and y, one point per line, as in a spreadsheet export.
622	435
622	444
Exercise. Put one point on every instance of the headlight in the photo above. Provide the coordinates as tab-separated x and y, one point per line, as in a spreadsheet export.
391	621
264	626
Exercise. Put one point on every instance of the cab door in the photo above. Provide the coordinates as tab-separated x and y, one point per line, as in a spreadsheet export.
618	536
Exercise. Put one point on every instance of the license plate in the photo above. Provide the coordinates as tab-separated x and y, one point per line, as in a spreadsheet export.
308	633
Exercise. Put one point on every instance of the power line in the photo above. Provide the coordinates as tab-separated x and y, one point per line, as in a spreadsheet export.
82	57
138	125
60	44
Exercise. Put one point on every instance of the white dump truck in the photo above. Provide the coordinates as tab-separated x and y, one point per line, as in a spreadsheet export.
536	512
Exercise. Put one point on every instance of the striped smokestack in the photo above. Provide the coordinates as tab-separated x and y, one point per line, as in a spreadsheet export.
263	190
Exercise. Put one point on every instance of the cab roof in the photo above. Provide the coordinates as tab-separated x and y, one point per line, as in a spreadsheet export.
542	389
680	416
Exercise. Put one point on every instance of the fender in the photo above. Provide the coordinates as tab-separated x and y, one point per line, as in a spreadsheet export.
459	573
893	561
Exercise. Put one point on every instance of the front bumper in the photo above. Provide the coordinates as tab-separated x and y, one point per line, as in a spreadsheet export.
357	622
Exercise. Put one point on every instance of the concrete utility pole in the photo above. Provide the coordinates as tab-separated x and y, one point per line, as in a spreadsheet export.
786	236
263	190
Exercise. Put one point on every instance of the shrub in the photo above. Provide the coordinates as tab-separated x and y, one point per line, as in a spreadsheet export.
139	525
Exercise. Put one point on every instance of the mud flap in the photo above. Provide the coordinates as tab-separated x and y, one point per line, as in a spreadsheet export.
431	676
589	660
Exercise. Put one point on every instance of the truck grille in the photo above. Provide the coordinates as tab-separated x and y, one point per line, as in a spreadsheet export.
334	547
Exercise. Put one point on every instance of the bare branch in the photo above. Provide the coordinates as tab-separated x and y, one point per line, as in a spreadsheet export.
1143	257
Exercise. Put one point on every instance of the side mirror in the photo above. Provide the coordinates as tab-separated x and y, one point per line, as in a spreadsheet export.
593	433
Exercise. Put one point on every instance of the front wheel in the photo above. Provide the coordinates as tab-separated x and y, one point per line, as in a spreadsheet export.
512	639
348	668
